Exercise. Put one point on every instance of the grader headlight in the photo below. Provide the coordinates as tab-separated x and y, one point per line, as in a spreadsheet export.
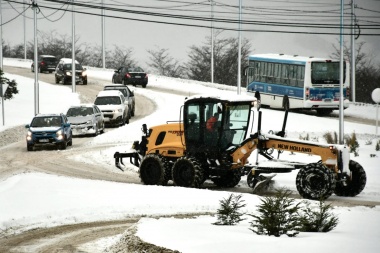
333	149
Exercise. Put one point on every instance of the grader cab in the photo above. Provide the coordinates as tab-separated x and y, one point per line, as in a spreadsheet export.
213	140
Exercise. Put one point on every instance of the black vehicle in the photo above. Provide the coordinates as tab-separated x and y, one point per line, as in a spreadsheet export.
128	94
64	69
130	75
46	63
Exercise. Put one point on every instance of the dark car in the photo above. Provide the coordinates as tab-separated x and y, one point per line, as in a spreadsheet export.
46	63
64	69
48	130
130	75
128	94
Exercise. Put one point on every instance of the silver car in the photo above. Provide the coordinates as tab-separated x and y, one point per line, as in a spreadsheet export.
85	119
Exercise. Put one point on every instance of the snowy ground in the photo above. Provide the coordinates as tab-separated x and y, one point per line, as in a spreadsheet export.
39	200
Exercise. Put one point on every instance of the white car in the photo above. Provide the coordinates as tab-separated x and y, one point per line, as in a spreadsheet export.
85	119
114	107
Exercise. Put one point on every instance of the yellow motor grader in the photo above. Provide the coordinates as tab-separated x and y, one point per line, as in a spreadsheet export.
192	150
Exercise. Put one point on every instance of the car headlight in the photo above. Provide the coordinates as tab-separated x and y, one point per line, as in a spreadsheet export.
89	122
59	134
84	73
68	73
118	110
29	136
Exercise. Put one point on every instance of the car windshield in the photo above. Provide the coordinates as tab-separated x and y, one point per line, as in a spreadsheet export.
51	121
68	66
79	111
107	101
137	69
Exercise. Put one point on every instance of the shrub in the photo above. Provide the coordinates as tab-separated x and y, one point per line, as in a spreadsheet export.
352	142
305	138
229	211
278	215
377	146
330	139
319	220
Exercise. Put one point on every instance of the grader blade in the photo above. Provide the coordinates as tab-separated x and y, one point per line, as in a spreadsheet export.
263	183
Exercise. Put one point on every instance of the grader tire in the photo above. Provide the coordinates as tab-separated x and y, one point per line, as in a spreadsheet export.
187	172
152	170
355	183
315	181
231	179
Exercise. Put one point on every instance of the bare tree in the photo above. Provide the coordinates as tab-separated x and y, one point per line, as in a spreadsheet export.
367	76
122	56
163	64
225	59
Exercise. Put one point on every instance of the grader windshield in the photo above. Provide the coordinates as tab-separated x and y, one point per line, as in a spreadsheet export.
215	124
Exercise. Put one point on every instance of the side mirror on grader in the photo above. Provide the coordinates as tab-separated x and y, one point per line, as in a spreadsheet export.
200	147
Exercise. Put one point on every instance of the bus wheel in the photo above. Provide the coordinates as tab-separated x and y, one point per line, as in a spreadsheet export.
285	103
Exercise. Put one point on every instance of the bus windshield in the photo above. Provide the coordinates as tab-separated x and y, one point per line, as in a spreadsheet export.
326	72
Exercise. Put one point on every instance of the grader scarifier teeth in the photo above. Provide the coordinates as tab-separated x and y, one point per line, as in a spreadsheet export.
134	159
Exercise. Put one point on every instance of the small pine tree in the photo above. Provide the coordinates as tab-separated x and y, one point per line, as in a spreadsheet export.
353	143
278	215
330	139
320	220
377	146
229	211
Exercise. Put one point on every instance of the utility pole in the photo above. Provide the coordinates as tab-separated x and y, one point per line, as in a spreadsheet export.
353	65
212	41
103	37
23	7
73	49
341	109
1	36
36	85
239	54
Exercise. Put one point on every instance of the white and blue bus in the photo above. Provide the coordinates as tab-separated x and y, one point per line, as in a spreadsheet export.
297	82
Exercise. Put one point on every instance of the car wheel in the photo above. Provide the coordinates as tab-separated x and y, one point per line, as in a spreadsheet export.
29	147
144	85
85	82
133	112
103	127
40	70
64	81
96	130
56	80
127	119
113	80
32	69
62	145
70	142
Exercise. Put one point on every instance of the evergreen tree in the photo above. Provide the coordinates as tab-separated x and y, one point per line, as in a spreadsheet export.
278	215
12	86
318	220
229	211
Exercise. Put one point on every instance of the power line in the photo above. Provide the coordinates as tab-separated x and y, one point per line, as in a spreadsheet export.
290	25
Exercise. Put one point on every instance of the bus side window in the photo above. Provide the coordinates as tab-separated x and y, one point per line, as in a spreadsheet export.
263	72
270	72
277	73
285	74
300	76
293	75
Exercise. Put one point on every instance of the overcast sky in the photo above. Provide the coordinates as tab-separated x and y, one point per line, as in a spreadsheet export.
144	31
